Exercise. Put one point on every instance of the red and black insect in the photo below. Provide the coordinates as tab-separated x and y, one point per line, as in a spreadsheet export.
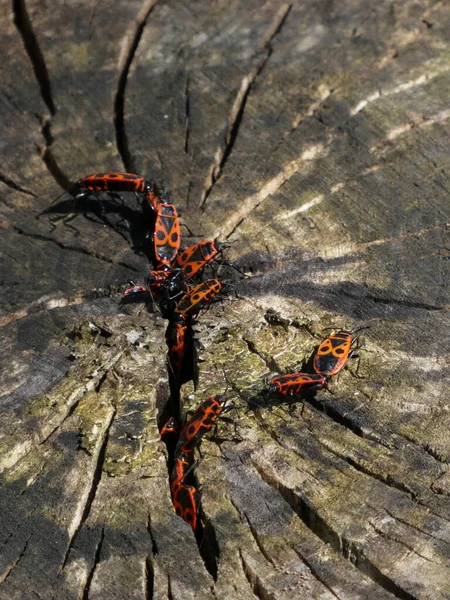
170	426
202	421
194	299
166	235
185	498
119	182
334	352
197	256
294	383
179	341
135	289
166	284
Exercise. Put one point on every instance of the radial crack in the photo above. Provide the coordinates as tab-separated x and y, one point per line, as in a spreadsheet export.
410	547
150	533
387	479
309	154
254	581
129	47
238	108
269	361
187	112
7	572
38	236
15	186
344	546
84	507
98	551
23	24
47	155
149	578
315	573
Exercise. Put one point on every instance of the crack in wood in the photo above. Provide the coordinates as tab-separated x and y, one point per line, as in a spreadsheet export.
187	113
79	249
91	19
241	512
251	203
150	533
87	585
254	581
170	595
23	24
15	186
256	538
149	578
47	155
129	47
300	117
395	539
75	399
386	479
208	546
422	531
239	104
268	360
347	548
316	574
7	572
84	507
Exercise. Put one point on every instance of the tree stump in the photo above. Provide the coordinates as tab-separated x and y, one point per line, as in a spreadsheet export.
314	138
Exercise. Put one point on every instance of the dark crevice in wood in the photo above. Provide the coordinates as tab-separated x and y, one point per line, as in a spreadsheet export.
149	575
187	111
95	480
68	414
426	448
318	525
119	98
23	24
316	574
254	581
337	417
242	513
208	547
238	224
396	540
52	166
101	381
169	589
150	533
7	572
421	531
98	551
256	538
269	361
238	108
15	186
96	255
91	20
387	479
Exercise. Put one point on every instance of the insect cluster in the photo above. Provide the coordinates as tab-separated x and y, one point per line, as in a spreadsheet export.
175	283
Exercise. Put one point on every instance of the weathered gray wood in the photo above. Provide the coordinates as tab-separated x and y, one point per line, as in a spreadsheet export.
314	138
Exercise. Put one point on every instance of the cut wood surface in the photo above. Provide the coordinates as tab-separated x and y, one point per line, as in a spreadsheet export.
314	137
